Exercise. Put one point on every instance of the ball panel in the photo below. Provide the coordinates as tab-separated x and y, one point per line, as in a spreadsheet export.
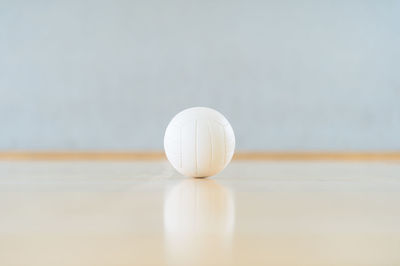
172	145
218	147
189	149
204	151
229	143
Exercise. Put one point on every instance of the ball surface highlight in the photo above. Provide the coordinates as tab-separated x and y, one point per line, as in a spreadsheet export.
199	142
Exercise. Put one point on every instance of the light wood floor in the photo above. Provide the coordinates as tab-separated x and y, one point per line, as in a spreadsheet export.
253	213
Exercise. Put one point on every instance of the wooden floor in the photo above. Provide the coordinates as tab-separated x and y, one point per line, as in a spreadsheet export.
253	213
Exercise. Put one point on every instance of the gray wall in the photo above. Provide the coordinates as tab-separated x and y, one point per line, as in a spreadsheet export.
289	75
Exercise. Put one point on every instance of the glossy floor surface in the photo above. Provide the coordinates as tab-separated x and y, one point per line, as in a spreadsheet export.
253	213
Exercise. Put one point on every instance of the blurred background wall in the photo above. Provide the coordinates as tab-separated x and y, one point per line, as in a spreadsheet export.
289	75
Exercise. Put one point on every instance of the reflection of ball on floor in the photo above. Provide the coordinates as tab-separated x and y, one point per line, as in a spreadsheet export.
199	142
199	217
198	207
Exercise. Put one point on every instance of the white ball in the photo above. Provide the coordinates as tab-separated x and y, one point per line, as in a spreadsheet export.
199	142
